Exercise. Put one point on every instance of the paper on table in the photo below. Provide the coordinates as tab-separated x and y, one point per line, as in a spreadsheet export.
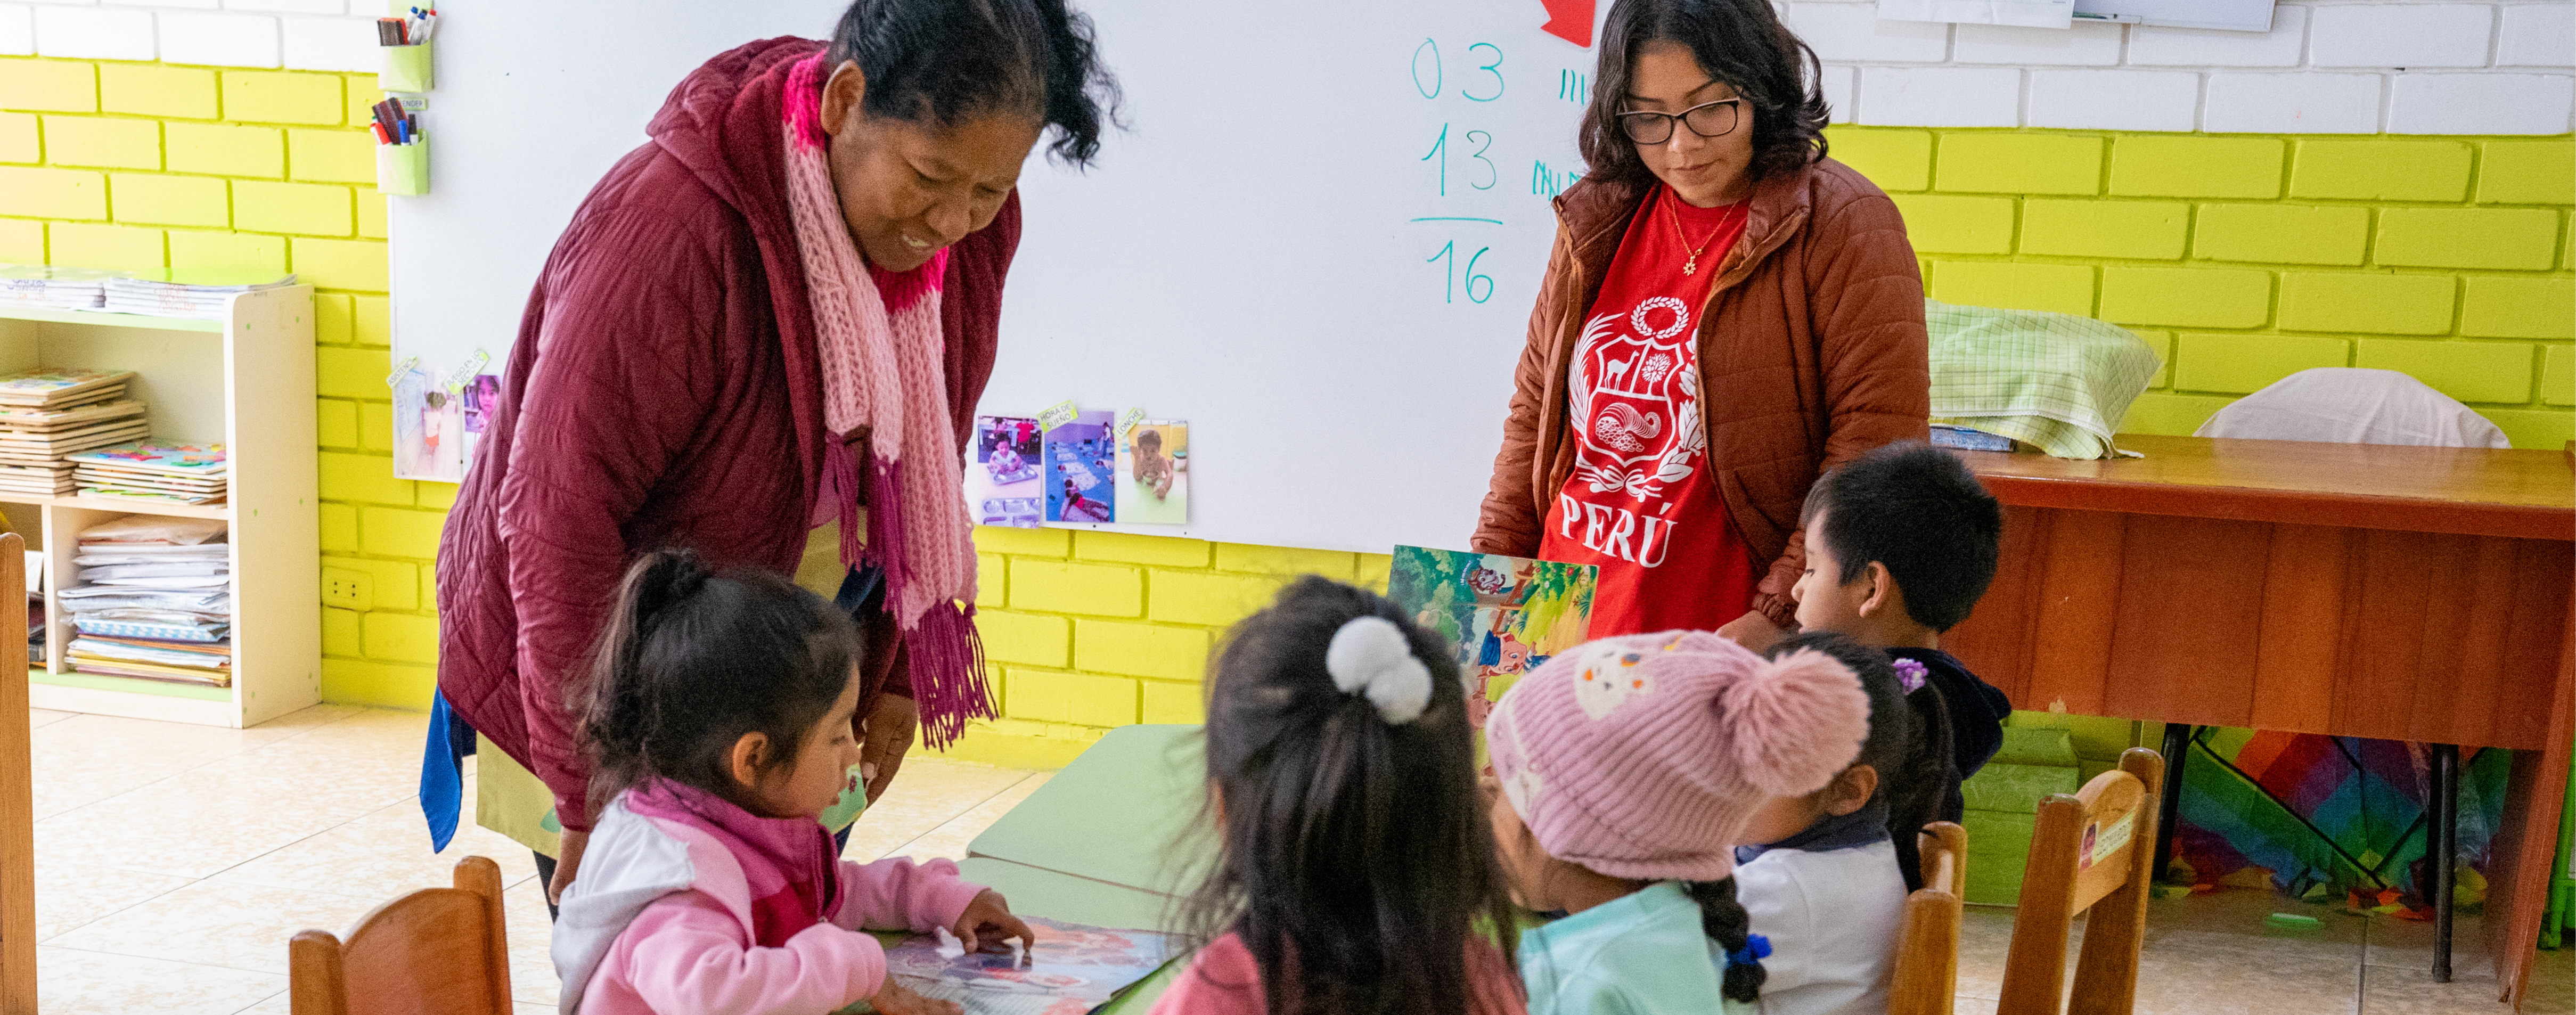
2025	13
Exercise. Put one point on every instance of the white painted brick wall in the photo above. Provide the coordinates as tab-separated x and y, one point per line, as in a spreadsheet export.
17	30
1941	96
2085	44
2114	99
296	6
223	40
94	33
331	44
1853	33
2537	35
1836	83
2327	66
2194	47
2292	104
2480	104
2400	35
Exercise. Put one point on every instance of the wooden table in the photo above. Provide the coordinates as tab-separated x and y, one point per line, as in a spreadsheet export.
2403	593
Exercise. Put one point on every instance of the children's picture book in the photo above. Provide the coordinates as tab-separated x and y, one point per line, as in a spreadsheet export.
1002	469
1076	470
1503	615
1154	473
1073	969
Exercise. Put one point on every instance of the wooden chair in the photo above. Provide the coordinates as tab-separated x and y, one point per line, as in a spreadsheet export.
17	790
437	951
2090	851
1927	953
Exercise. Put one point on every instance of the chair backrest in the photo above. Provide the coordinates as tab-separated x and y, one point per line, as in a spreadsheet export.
1927	953
2090	851
17	793
437	951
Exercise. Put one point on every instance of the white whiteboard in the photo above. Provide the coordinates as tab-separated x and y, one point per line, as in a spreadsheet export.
1278	250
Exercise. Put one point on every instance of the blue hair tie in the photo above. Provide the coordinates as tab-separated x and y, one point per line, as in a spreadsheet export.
1756	948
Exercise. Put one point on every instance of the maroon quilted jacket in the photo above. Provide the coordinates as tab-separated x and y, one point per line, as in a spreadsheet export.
663	392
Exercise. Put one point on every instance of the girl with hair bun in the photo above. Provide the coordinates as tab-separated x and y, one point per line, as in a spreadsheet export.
1354	871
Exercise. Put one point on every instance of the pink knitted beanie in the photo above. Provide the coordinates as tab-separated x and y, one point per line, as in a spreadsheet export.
1644	756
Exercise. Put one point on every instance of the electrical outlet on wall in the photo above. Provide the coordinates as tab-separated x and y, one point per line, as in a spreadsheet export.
341	587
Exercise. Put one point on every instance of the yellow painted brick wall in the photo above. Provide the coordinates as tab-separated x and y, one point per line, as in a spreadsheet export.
2249	258
143	165
1091	630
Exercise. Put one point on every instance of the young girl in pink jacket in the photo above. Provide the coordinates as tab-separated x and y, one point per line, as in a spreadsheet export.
719	717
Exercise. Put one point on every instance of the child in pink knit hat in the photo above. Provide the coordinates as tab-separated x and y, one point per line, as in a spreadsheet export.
1628	769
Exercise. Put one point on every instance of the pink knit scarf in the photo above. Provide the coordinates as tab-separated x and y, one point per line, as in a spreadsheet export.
882	354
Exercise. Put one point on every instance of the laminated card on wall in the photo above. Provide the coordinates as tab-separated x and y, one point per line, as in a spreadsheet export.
1002	470
1080	459
1154	473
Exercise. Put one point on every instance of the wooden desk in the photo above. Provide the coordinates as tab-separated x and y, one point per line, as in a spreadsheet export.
2356	590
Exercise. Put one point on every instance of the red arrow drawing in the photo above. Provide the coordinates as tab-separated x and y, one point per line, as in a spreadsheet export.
1570	20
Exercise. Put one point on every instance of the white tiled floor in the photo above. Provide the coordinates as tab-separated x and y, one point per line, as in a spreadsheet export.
173	862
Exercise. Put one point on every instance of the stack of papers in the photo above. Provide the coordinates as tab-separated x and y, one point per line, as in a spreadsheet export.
154	600
189	473
186	293
51	288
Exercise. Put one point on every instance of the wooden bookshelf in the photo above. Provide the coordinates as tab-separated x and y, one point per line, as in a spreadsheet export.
246	381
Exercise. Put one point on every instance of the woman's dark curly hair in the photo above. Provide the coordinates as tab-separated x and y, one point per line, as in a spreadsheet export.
943	60
1740	42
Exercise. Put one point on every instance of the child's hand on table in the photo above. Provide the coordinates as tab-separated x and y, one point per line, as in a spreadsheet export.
989	926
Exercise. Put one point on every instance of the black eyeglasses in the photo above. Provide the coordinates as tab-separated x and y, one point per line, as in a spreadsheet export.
1708	119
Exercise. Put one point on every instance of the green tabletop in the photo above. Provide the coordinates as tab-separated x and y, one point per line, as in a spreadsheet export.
1126	812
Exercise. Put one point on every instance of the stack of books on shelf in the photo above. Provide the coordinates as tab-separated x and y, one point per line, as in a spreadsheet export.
196	293
154	470
154	600
46	287
48	414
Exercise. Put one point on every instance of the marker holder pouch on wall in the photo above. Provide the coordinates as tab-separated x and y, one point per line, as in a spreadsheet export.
403	169
406	68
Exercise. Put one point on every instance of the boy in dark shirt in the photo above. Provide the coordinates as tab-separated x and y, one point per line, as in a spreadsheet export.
1901	543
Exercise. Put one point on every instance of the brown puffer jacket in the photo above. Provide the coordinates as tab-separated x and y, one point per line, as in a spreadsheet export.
1811	351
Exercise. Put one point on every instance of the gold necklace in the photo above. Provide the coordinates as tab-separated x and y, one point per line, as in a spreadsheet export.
1692	266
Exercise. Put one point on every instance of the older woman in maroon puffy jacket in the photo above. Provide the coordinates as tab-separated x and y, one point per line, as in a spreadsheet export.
665	387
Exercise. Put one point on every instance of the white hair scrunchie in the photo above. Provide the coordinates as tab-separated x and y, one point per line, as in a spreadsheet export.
1369	656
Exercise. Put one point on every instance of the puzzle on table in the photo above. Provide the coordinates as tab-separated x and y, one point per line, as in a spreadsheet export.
1073	969
1002	471
1501	615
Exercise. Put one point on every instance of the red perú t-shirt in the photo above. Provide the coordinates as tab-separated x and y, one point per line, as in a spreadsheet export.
1641	503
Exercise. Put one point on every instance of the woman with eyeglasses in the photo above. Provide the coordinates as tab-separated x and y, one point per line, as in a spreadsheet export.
1727	314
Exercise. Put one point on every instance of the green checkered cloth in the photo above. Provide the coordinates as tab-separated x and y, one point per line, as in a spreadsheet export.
2053	381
